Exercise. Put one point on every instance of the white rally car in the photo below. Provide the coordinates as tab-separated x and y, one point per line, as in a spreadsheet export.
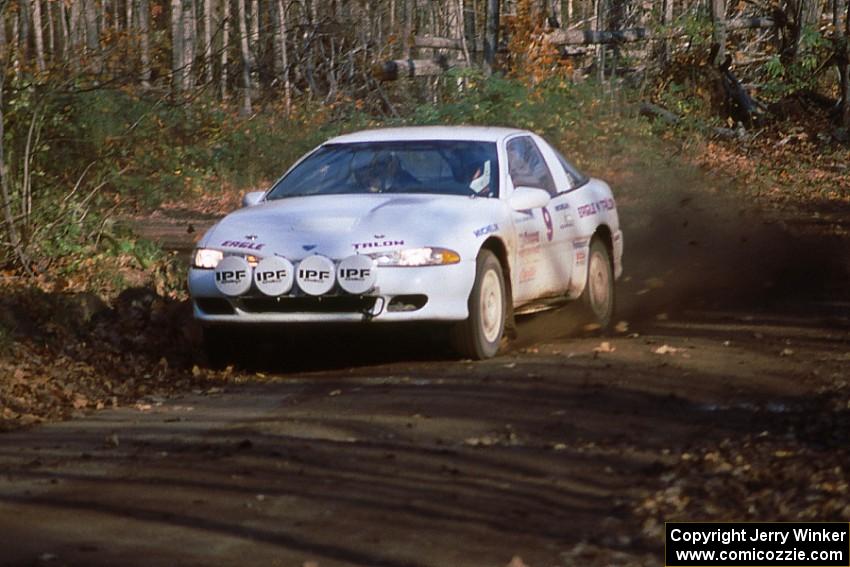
464	225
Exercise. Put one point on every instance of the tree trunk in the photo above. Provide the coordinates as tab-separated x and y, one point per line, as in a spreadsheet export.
718	20
208	46
247	61
225	44
15	51
177	45
38	35
51	33
8	216
283	36
407	33
145	40
23	33
189	26
842	58
491	34
65	32
254	42
92	34
667	21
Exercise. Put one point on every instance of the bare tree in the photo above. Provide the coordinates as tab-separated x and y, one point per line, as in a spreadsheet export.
718	20
491	34
247	60
177	51
145	42
92	33
284	51
225	44
8	215
38	35
208	46
841	34
189	27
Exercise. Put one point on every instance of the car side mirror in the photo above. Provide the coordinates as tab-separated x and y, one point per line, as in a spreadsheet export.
252	198
526	198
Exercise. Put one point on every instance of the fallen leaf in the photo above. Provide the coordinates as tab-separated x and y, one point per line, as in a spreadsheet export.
666	349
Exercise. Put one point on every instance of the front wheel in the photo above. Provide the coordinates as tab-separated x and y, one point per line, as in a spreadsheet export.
597	299
479	336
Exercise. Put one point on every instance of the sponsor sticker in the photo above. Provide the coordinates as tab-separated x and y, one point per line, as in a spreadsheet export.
356	274
233	276
529	238
315	275
243	244
594	207
485	230
274	275
527	274
547	220
581	243
562	207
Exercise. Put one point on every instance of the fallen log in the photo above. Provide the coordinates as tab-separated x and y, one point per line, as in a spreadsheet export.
588	37
654	111
434	42
392	70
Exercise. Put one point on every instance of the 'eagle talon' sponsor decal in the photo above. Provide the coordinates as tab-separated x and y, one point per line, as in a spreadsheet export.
379	244
243	244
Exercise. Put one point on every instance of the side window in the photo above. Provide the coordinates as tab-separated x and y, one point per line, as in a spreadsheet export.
526	165
577	178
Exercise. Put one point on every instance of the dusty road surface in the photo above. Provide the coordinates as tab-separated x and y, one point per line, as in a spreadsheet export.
724	397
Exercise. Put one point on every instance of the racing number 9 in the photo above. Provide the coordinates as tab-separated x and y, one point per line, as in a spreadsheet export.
547	220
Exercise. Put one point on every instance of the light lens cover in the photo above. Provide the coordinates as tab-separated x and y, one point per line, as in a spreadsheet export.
413	257
206	259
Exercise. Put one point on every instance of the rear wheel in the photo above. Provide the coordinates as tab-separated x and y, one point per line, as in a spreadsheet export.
479	336
597	299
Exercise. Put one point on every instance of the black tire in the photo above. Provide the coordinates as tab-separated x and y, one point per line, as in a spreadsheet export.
597	299
218	347
480	335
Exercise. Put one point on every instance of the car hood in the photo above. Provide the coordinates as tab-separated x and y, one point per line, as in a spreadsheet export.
341	225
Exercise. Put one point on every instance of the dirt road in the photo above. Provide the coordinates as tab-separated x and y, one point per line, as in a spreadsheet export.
725	398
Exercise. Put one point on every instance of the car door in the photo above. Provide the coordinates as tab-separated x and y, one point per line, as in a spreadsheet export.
539	270
563	212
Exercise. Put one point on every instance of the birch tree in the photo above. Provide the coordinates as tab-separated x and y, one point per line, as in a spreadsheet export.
38	35
144	42
247	60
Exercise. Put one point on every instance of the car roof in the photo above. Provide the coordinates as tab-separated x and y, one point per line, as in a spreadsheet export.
419	133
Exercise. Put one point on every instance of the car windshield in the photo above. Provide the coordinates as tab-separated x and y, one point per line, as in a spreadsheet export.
441	167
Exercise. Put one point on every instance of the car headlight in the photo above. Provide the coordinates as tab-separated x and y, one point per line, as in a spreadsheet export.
206	259
411	257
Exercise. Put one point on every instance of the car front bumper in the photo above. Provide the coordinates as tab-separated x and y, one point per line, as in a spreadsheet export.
396	297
